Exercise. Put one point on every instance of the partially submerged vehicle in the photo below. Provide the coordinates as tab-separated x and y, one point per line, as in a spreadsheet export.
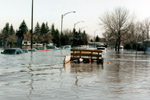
32	50
121	47
102	48
25	50
12	51
52	47
67	46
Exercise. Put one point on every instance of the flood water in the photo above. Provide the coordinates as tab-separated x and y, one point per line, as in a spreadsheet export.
43	76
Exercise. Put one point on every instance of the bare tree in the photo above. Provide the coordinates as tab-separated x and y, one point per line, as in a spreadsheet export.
140	32
146	25
130	36
116	25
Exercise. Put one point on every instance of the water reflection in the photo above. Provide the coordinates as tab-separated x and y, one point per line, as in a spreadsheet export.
67	67
125	74
80	69
30	77
83	67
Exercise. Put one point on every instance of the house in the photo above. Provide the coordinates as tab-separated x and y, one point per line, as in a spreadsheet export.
26	43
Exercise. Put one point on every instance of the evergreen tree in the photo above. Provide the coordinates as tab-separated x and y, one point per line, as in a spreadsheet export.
57	38
12	37
11	31
44	29
45	36
97	39
75	38
5	34
6	29
64	39
61	39
55	34
23	29
84	38
37	29
79	38
52	31
91	40
37	33
47	28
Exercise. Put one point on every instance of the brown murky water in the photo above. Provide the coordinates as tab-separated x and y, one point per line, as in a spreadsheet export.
42	76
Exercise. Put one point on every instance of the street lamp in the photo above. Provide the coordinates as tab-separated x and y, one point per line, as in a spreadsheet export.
32	24
62	16
77	23
94	36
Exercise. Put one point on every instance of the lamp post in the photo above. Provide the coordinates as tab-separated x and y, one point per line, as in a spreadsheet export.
32	24
77	23
62	16
94	36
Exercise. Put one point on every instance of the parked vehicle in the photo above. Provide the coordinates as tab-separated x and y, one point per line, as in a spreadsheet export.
12	51
102	48
52	47
67	46
121	47
25	50
32	50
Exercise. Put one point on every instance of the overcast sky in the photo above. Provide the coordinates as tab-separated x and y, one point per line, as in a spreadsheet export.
89	11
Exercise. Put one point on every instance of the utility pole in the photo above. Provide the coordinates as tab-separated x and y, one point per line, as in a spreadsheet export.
32	25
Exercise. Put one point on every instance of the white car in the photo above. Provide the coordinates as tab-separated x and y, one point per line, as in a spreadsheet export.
102	48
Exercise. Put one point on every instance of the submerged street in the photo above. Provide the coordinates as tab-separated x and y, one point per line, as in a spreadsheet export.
43	76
